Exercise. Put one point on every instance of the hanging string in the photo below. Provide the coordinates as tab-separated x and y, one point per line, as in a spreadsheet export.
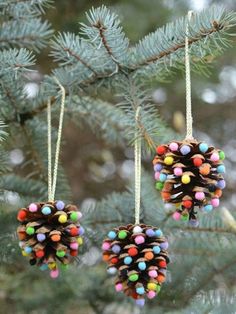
137	166
52	179
189	118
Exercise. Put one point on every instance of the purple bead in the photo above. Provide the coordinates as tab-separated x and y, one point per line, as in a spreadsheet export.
221	184
164	245
185	149
81	230
116	249
193	223
158	167
140	302
41	237
60	205
150	232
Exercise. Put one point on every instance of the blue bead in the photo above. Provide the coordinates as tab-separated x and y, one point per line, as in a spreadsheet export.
164	245
46	210
140	290
43	267
140	302
194	223
203	147
111	270
185	149
158	233
60	205
150	233
111	235
128	260
116	249
28	249
163	177
221	184
156	249
208	208
142	265
221	169
81	230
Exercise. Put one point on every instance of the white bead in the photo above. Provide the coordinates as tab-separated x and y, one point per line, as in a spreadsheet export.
137	229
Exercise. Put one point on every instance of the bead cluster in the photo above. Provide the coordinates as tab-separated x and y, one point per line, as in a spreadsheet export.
137	254
189	175
50	234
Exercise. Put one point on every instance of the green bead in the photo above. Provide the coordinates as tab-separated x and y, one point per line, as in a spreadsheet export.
133	277
222	155
159	185
74	216
64	266
30	230
60	253
158	289
122	234
184	217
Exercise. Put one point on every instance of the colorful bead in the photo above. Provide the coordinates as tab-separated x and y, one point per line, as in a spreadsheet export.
54	273
128	260
116	249
221	184
187	204
164	245
111	235
21	215
173	146
176	216
74	245
132	251
156	249
222	155
197	162
160	150
60	205
106	246
46	210
133	277
74	216
122	234
152	286
208	208
142	265
221	169
111	270
152	273
150	233
30	230
185	149
157	175
151	294
41	237
159	185
162	177
158	233
60	253
118	287
215	157
33	208
215	202
158	167
62	218
200	196
203	147
140	290
137	229
139	240
185	179
140	302
28	249
178	171
169	160
194	223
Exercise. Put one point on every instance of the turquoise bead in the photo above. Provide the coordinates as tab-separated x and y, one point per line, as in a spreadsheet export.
156	249
221	169
111	235
208	208
46	210
128	260
203	147
140	290
142	265
158	233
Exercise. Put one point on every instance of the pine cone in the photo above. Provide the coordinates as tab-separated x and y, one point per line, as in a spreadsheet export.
137	254
189	175
50	234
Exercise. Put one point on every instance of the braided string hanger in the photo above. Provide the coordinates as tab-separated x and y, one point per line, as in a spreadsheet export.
137	166
52	177
189	118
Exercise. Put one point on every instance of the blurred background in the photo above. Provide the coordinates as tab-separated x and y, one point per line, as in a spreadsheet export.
94	169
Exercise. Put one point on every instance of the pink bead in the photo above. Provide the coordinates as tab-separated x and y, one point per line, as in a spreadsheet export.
176	216
215	202
54	273
151	294
173	146
106	246
152	273
178	171
74	246
199	196
33	207
118	287
139	240
79	215
215	157
157	175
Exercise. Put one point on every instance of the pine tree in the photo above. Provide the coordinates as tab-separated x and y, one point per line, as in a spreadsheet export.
99	60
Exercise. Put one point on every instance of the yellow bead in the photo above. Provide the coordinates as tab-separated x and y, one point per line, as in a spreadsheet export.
80	241
152	286
185	179
24	253
177	205
169	160
62	218
52	265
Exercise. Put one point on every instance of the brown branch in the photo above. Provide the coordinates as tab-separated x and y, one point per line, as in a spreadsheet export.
215	28
73	54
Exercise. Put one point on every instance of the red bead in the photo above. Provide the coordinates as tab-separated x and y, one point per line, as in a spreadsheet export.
162	264
21	215
40	253
197	162
73	252
134	295
114	260
132	251
160	150
187	204
74	231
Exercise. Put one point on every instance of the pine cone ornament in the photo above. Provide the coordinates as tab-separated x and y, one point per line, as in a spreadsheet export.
138	255
189	175
50	234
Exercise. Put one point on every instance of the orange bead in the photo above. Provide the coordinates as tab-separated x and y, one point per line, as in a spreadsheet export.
161	278
205	169
22	235
218	192
105	257
55	237
165	196
149	256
